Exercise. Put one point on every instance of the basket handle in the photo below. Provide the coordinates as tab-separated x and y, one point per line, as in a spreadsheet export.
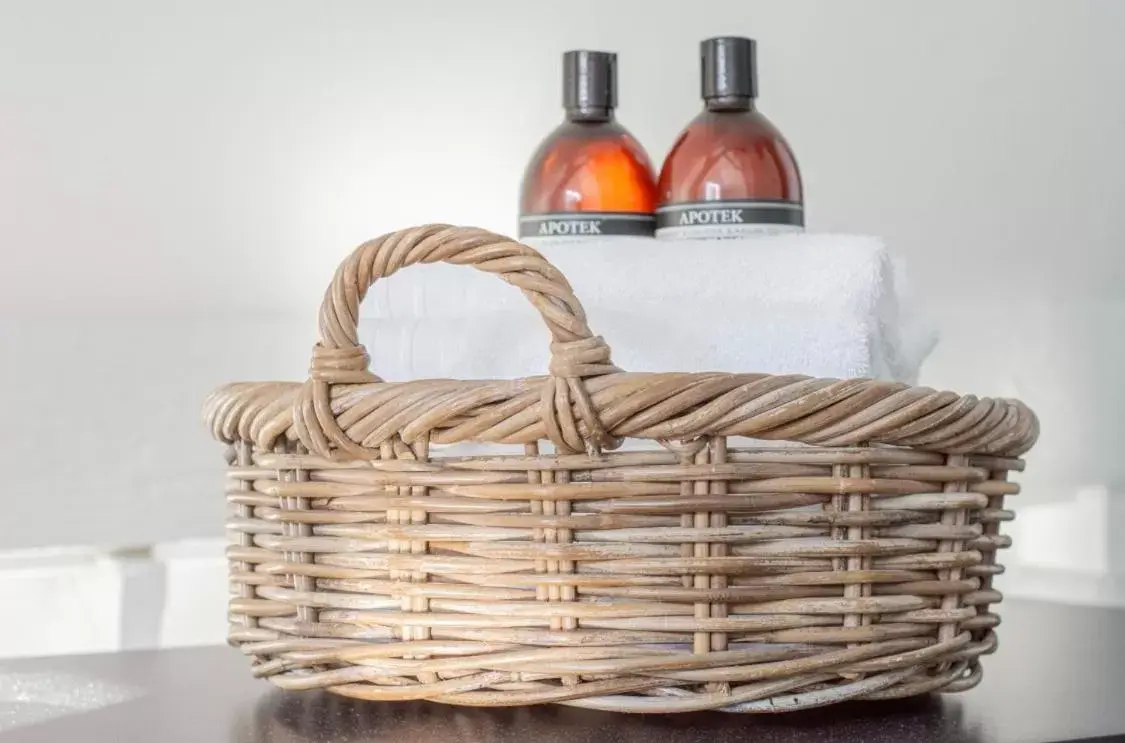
339	358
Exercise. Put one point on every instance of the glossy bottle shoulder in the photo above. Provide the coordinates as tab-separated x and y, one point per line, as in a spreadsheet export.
588	167
723	156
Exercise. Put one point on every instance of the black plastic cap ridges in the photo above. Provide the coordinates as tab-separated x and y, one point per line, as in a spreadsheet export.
729	68
589	81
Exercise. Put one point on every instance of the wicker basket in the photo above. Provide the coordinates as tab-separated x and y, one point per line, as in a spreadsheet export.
688	575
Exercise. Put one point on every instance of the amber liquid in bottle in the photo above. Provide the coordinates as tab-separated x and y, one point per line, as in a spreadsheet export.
730	173
589	178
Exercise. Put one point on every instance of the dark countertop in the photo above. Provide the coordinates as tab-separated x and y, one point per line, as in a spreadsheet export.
1059	675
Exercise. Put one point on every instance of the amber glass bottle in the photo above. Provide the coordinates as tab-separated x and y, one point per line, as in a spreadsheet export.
589	177
730	173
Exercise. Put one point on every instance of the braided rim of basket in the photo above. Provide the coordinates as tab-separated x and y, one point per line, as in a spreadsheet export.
344	411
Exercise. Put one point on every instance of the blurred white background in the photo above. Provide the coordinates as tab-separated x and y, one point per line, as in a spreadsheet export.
179	179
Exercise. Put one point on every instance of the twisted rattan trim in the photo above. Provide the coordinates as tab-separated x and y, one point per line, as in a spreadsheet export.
826	412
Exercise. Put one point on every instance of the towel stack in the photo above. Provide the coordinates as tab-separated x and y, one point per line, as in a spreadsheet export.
817	304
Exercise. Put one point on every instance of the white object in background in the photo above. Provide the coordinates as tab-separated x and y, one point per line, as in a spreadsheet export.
1064	535
59	601
1064	550
86	600
196	592
818	304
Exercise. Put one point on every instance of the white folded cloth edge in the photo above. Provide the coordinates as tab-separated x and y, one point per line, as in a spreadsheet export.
820	304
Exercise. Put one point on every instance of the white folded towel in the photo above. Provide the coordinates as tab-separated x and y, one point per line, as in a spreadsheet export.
817	304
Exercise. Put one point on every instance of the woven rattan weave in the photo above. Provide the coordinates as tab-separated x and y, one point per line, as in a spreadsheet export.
676	572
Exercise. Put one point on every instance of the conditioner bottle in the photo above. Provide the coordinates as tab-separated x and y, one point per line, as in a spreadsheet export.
730	173
589	178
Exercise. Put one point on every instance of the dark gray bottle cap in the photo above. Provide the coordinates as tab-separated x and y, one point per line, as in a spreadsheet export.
729	68
589	81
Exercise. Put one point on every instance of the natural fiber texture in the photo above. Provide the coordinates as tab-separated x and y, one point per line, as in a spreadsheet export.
684	576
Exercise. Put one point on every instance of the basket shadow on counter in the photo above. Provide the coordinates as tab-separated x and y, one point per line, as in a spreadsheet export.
320	717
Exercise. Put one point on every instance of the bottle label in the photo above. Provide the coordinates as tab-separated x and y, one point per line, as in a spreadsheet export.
718	219
586	225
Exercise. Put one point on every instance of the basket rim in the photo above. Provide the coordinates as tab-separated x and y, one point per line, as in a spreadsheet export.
638	405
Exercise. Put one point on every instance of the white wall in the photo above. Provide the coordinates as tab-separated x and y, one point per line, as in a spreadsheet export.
178	180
